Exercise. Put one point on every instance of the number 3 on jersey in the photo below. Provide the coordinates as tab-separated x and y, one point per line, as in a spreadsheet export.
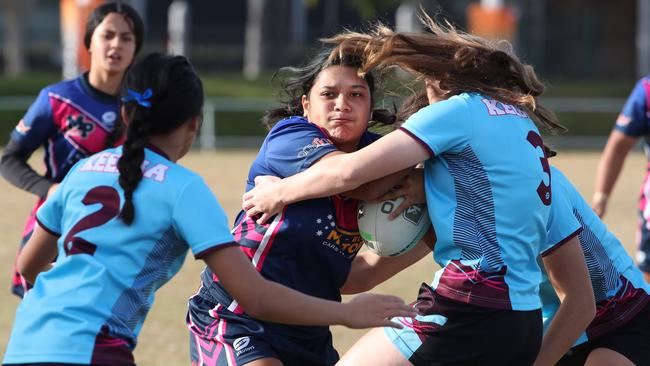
110	201
543	190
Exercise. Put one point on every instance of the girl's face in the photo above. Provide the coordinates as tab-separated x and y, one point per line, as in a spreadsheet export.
339	102
112	45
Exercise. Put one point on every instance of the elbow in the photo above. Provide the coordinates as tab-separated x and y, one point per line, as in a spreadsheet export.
348	177
257	304
28	273
255	308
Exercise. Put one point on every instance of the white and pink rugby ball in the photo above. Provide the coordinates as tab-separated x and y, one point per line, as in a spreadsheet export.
391	238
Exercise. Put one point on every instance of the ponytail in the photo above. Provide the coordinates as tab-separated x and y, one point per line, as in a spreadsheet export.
160	94
130	163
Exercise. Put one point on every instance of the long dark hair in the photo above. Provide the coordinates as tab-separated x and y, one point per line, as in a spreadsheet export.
130	15
460	62
176	95
137	26
298	81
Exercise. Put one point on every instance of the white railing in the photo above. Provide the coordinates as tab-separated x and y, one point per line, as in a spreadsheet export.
209	140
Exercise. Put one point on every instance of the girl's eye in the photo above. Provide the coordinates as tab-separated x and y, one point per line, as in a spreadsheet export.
356	94
327	94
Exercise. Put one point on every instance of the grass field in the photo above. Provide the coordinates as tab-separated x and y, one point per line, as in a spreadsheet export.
163	340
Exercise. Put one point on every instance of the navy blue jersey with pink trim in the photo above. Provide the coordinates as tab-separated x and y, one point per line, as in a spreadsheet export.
71	120
311	244
634	119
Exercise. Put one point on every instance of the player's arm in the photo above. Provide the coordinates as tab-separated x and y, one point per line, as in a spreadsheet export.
38	253
618	146
568	274
271	301
374	189
343	172
369	269
14	168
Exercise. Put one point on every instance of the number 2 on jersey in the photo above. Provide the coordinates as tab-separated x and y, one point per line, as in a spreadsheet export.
543	190
110	201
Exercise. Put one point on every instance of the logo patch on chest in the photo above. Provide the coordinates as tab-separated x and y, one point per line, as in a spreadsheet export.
81	125
346	243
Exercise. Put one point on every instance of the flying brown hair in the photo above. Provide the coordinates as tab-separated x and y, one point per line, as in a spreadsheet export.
460	62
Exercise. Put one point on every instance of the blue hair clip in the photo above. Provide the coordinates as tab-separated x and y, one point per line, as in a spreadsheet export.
141	99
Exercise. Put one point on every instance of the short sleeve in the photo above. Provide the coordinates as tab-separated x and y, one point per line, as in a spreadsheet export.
199	219
295	146
50	214
445	126
37	124
562	224
633	120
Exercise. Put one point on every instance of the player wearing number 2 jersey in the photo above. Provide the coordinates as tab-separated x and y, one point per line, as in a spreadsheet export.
121	224
488	190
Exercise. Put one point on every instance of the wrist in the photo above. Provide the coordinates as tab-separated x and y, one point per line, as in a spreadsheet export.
281	194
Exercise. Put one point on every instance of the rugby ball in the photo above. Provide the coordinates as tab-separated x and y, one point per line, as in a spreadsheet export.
390	238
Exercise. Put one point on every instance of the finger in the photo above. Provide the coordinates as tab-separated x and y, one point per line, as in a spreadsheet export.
248	195
252	211
263	219
391	324
247	205
401	208
391	195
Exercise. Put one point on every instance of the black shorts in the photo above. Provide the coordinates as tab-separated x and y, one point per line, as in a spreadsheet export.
449	332
219	337
630	340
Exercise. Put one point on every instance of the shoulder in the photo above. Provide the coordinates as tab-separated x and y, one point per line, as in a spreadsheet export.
63	86
296	127
294	122
457	104
560	183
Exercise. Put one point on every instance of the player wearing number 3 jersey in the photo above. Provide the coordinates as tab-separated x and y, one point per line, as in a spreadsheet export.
488	190
121	224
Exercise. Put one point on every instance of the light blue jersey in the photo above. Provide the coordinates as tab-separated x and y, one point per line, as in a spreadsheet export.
489	191
103	282
618	284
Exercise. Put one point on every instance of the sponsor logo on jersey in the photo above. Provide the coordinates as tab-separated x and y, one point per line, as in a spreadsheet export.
22	128
347	243
109	117
315	144
623	120
78	123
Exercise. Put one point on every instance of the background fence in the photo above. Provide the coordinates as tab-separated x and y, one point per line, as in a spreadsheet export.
216	112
